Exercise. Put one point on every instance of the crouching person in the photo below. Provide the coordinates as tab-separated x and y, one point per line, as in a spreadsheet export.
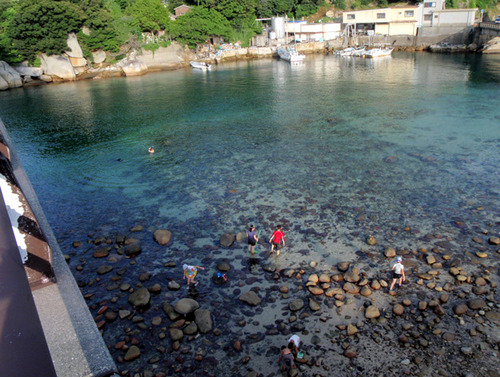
286	358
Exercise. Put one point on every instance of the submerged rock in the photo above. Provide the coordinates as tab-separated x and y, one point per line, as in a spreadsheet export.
203	319
186	306
162	236
140	297
251	298
227	240
296	305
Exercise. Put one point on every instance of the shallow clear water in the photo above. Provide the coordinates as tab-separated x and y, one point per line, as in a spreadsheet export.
264	142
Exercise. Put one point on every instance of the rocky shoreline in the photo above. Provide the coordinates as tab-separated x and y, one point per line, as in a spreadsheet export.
443	321
72	65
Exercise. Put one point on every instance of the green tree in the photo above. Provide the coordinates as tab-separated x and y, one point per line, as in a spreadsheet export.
150	15
43	26
103	33
305	8
239	13
7	50
198	25
340	4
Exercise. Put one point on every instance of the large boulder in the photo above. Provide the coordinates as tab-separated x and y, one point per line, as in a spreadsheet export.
75	51
203	319
133	68
166	57
9	77
4	85
29	71
99	56
162	236
186	306
58	67
492	46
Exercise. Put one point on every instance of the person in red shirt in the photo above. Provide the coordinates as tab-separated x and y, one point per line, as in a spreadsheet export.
276	239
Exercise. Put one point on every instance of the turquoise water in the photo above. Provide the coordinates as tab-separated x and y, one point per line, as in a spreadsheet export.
334	149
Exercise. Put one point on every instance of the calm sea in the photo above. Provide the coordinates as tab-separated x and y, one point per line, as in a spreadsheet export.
334	149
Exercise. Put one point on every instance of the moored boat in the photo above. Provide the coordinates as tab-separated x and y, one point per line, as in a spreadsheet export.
290	54
200	65
377	52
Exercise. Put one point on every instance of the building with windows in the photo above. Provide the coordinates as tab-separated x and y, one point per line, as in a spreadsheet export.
402	20
410	20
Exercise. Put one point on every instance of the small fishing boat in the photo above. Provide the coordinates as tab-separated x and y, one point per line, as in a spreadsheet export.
201	65
378	52
290	54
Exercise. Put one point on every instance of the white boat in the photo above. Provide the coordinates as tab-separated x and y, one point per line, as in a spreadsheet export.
352	51
346	51
290	54
200	65
377	52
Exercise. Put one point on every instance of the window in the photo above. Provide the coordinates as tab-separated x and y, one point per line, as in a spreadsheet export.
409	13
429	5
380	15
351	16
427	17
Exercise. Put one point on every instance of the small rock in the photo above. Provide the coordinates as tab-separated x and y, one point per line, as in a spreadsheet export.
351	329
372	312
104	269
460	309
224	267
313	278
296	305
390	252
251	298
343	266
133	353
162	236
140	297
173	285
398	309
227	239
476	304
314	305
350	353
370	240
176	334
494	241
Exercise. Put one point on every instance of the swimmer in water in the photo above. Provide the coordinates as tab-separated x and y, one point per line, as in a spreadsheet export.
151	150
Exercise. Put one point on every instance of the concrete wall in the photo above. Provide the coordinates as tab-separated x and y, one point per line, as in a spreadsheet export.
463	17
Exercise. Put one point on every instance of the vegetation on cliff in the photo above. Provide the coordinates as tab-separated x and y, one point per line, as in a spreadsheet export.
31	27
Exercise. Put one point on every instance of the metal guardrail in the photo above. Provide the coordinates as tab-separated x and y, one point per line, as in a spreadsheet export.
489	25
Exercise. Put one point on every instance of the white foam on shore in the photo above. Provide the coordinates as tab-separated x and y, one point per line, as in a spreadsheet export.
14	210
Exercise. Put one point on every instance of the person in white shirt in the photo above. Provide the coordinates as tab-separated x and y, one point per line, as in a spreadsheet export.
398	273
294	341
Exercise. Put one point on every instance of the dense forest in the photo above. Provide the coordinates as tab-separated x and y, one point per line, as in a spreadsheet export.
30	27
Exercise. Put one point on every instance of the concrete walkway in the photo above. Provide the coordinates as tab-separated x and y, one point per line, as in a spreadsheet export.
75	345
